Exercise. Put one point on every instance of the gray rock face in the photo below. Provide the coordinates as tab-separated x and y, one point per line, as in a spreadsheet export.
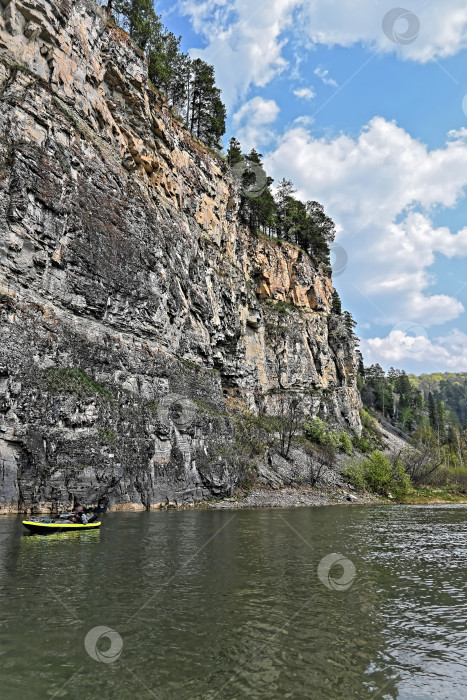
138	315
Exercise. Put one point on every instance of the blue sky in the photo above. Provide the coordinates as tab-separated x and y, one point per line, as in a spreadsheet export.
363	105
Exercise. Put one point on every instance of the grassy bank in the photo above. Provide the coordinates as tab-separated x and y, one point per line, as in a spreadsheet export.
433	494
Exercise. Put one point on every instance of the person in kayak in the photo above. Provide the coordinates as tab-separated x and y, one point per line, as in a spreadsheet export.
78	516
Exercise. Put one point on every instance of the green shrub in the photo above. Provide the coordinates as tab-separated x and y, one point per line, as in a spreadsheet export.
318	433
378	474
345	443
316	430
332	440
368	422
108	435
370	438
355	475
362	444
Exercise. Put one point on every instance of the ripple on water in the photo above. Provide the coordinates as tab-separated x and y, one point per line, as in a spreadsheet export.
215	605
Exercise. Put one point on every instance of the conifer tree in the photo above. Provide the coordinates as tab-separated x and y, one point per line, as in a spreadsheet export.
283	199
140	19
321	232
208	113
234	154
189	86
441	419
336	303
432	411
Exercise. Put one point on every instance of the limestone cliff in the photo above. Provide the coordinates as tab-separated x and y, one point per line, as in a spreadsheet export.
135	307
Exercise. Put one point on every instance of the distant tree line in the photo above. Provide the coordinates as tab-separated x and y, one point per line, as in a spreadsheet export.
394	395
437	401
451	388
430	408
188	84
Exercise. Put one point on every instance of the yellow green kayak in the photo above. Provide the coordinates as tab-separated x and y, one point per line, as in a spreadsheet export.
39	528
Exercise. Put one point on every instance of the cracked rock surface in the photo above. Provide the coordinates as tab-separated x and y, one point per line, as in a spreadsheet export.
135	308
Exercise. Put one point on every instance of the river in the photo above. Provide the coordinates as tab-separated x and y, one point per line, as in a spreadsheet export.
238	604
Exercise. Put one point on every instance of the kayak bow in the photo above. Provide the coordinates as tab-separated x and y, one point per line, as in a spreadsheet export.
39	528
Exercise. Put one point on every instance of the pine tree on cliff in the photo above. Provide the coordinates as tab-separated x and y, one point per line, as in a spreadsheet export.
257	205
266	208
283	198
215	125
322	231
140	19
187	85
207	110
336	303
350	324
234	154
167	66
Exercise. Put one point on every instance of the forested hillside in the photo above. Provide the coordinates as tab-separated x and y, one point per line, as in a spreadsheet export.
450	388
431	409
438	401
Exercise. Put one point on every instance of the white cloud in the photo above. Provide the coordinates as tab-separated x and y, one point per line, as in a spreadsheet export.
245	40
324	76
304	120
252	122
438	30
381	189
444	353
305	93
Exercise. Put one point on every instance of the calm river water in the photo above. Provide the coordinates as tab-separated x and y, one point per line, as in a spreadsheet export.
229	604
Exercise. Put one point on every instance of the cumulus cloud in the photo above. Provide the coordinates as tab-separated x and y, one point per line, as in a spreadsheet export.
324	76
443	353
245	40
305	93
253	120
427	31
382	188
